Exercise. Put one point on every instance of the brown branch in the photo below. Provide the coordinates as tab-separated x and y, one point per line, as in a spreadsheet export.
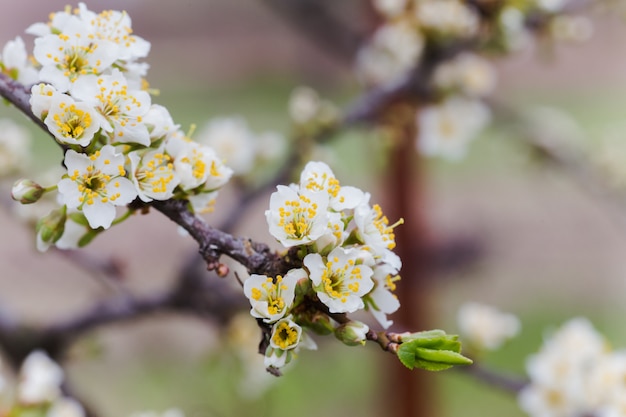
18	95
501	381
315	19
415	86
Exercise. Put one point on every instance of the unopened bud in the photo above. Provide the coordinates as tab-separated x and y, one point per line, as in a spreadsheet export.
26	191
319	322
353	333
222	270
51	227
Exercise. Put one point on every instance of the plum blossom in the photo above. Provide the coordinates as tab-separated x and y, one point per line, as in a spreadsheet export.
570	374
318	177
196	165
232	141
115	26
270	297
14	62
297	218
159	123
393	50
96	184
381	301
446	18
71	122
447	128
40	379
72	54
373	227
341	279
485	327
15	142
65	407
391	8
286	339
153	174
120	110
467	73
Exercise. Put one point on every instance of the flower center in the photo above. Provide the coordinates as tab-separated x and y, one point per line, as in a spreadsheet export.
72	122
296	218
340	283
285	336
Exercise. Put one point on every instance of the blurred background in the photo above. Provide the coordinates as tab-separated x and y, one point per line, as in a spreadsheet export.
547	249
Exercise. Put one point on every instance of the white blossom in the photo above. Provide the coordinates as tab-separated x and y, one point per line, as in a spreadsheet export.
96	184
373	227
271	298
446	129
65	407
14	62
391	8
393	50
40	379
71	122
297	218
196	165
340	279
381	300
15	142
304	104
116	27
72	54
447	17
159	122
318	177
468	73
485	327
153	174
120	109
232	141
286	339
561	373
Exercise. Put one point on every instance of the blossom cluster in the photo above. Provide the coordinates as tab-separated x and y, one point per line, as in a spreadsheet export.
413	29
575	374
346	247
90	92
38	391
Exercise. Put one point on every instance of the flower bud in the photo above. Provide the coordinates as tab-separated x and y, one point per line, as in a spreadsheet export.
26	191
319	322
353	333
51	227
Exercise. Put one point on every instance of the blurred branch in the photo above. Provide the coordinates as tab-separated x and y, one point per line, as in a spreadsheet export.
559	153
507	383
315	19
108	271
18	95
416	86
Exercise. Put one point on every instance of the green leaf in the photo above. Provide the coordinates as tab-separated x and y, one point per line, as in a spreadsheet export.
433	350
407	356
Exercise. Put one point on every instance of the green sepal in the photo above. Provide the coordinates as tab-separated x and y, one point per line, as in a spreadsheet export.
88	237
432	350
79	218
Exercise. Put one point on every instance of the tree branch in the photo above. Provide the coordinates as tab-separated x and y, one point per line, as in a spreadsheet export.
316	21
